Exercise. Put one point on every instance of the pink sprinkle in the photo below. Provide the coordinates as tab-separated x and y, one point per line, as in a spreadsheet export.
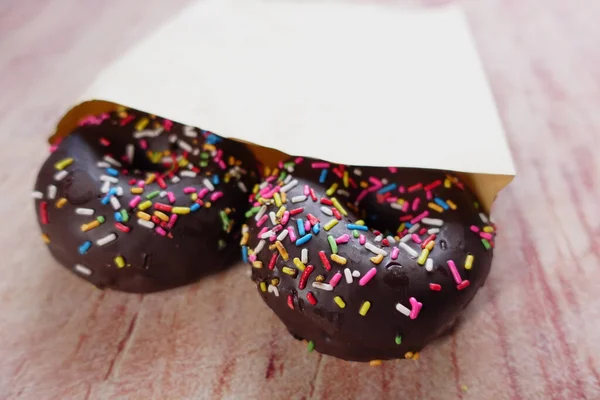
320	165
172	221
416	238
342	239
361	196
270	179
171	197
391	199
405	206
280	164
272	238
419	217
167	124
189	190
454	271
416	308
285	218
415	204
486	235
474	228
362	239
401	189
160	231
203	192
143	144
393	169
306	190
272	192
375	181
222	164
135	201
141	184
277	228
216	195
262	220
292	233
53	148
367	277
335	279
252	257
307	225
256	204
395	252
429	195
298	160
263	230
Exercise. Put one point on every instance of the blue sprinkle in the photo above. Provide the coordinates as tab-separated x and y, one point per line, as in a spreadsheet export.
118	217
106	199
85	247
216	179
323	176
301	230
303	239
317	228
245	253
357	227
112	172
408	225
441	203
212	138
195	207
387	188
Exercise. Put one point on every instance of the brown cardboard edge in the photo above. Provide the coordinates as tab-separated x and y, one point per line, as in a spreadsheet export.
485	186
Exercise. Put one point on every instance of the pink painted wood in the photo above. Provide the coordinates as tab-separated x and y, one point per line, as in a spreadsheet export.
532	332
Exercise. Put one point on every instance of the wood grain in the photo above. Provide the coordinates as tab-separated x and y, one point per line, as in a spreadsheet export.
531	333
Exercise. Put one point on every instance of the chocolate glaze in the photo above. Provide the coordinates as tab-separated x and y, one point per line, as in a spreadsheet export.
345	333
198	243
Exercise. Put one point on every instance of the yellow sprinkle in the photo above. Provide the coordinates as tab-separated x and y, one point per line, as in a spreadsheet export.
447	183
91	225
430	245
423	257
142	123
282	251
330	224
276	172
375	363
400	201
320	278
45	238
337	205
150	179
415	356
162	216
271	247
364	308
263	287
206	205
144	205
60	203
194	196
183	163
231	160
299	264
451	204
64	163
143	215
464	388
360	222
408	355
255	188
275	281
331	189
338	300
488	229
245	238
137	190
209	147
283	198
364	184
401	227
277	198
377	259
267	170
120	261
469	261
280	212
289	271
227	178
345	179
180	210
257	264
435	207
338	259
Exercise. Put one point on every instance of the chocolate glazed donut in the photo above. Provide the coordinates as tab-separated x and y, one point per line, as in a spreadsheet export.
132	202
366	264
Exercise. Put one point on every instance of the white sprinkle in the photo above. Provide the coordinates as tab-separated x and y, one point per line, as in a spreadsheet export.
263	185
356	273
146	224
429	265
403	309
106	239
432	221
289	186
148	133
287	179
374	249
378	238
484	218
414	228
51	193
102	164
396	206
188	174
37	195
357	172
119	191
273	218
326	211
245	229
384	181
185	145
242	186
112	161
260	213
172	138
391	240
163	193
266	235
175	179
322	286
303	255
115	203
405	238
111	179
130	151
348	275
60	175
343	192
82	269
433	230
189	131
274	290
105	187
259	246
298	199
282	235
408	249
208	184
166	160
84	211
196	151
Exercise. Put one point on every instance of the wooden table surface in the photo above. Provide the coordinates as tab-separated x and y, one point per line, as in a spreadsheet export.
532	332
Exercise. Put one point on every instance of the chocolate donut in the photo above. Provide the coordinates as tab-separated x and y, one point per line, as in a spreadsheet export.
132	202
366	264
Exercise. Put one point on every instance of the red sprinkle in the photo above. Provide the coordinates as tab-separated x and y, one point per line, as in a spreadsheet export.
463	284
325	261
290	301
163	207
312	219
336	213
433	185
423	231
273	260
156	220
414	188
435	287
426	241
325	201
122	228
161	182
126	120
296	210
132	181
304	277
385	242
311	298
313	195
104	142
44	212
406	218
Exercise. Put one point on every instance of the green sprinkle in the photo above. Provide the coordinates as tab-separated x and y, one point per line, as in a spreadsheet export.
476	205
311	346
282	175
204	156
125	215
252	212
398	339
289	164
222	244
355	234
225	220
332	244
101	219
486	244
153	194
204	164
156	157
